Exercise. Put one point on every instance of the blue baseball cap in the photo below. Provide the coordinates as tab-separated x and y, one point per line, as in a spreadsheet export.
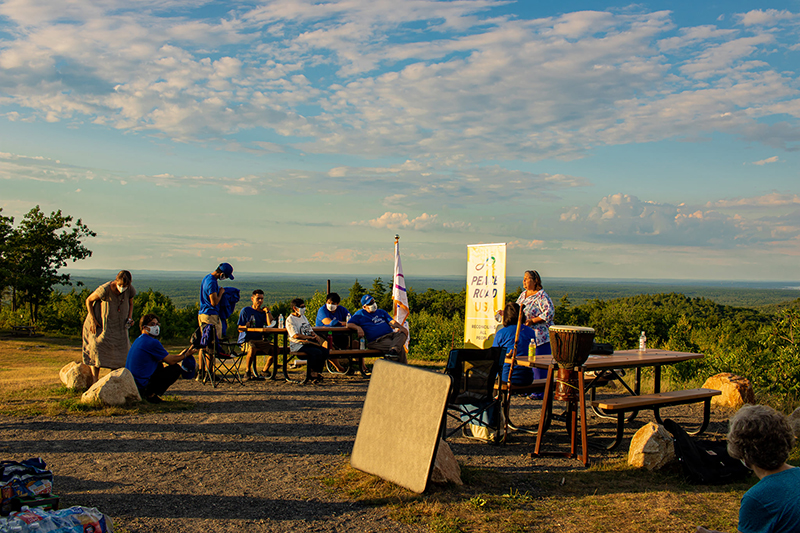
189	367
226	269
367	300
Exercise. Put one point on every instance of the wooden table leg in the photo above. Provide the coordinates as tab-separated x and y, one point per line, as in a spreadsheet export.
584	449
546	406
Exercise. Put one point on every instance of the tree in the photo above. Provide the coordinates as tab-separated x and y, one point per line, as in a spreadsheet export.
6	231
353	301
38	248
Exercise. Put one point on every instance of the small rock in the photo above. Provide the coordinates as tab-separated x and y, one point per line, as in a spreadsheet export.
736	390
116	388
651	447
445	466
794	420
75	375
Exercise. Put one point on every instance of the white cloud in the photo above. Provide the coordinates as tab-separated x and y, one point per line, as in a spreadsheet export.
767	200
773	159
425	221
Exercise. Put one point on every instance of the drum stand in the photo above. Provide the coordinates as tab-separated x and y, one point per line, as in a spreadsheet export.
573	407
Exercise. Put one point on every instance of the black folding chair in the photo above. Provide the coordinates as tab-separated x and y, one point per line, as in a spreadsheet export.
472	400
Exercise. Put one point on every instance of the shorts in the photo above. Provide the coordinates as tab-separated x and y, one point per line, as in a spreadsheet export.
214	320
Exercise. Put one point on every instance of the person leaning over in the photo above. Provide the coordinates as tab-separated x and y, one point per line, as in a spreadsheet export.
380	329
762	439
302	339
210	296
109	312
146	360
254	344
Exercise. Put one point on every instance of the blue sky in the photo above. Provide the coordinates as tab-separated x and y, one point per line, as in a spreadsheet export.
600	140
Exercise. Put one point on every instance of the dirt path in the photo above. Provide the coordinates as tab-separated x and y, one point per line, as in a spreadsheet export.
245	459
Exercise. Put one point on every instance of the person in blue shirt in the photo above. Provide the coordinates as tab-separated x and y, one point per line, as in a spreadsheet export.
505	338
147	359
254	343
762	439
379	329
210	297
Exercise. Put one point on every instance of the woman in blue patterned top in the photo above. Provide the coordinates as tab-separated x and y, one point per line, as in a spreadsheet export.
537	313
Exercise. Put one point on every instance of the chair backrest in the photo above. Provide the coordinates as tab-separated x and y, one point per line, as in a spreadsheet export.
473	373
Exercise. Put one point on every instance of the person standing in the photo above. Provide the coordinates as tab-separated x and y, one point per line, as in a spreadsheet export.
109	314
537	313
255	316
210	298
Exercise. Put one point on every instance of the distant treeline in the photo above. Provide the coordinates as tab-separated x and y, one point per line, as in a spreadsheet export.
761	344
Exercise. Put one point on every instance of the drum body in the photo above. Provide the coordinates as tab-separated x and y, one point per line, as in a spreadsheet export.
571	346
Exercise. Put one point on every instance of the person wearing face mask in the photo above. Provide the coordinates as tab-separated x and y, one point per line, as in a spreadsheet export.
147	358
210	298
105	330
336	316
379	329
302	339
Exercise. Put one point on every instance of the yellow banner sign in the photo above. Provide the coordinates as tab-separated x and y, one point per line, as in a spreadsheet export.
486	292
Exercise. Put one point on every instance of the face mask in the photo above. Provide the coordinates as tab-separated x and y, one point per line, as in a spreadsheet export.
154	330
122	288
331	307
301	310
372	308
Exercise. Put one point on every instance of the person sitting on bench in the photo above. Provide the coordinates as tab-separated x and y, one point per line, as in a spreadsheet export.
302	339
379	329
762	439
146	358
505	337
254	343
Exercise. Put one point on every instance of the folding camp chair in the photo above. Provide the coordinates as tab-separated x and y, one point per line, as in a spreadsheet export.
224	358
472	401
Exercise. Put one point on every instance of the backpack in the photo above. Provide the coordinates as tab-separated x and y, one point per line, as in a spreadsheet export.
705	462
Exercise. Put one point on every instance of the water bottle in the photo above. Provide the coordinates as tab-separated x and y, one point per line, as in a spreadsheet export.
642	342
532	351
330	340
280	320
362	343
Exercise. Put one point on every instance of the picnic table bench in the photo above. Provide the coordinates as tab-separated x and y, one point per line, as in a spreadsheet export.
627	404
22	331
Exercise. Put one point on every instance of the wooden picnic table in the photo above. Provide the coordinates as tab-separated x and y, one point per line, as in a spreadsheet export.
605	369
290	357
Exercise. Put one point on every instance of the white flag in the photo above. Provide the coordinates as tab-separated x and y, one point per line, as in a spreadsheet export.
399	295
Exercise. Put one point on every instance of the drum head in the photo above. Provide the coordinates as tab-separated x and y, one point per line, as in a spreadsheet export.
572	329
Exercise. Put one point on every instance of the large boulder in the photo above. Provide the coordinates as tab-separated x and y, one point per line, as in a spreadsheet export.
76	375
794	420
445	466
116	388
652	447
736	390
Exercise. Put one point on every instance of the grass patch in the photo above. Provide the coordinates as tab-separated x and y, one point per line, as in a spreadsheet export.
608	497
30	386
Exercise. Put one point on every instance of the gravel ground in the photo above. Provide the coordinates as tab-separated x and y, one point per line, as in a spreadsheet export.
251	458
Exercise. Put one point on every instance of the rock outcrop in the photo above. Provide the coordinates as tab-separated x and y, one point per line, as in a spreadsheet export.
117	388
736	390
445	466
75	375
652	447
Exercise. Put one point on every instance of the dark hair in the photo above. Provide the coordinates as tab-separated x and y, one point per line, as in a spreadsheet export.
537	279
510	314
146	319
258	291
761	436
334	297
124	276
297	302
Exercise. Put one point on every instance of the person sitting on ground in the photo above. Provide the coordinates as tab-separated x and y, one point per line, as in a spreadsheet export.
210	297
762	439
380	330
506	337
146	358
303	340
256	316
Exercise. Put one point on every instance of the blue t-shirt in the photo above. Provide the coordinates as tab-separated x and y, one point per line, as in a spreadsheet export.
209	286
772	505
145	355
338	317
375	325
261	322
505	338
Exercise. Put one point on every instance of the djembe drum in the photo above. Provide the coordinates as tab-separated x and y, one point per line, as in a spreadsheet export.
571	346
